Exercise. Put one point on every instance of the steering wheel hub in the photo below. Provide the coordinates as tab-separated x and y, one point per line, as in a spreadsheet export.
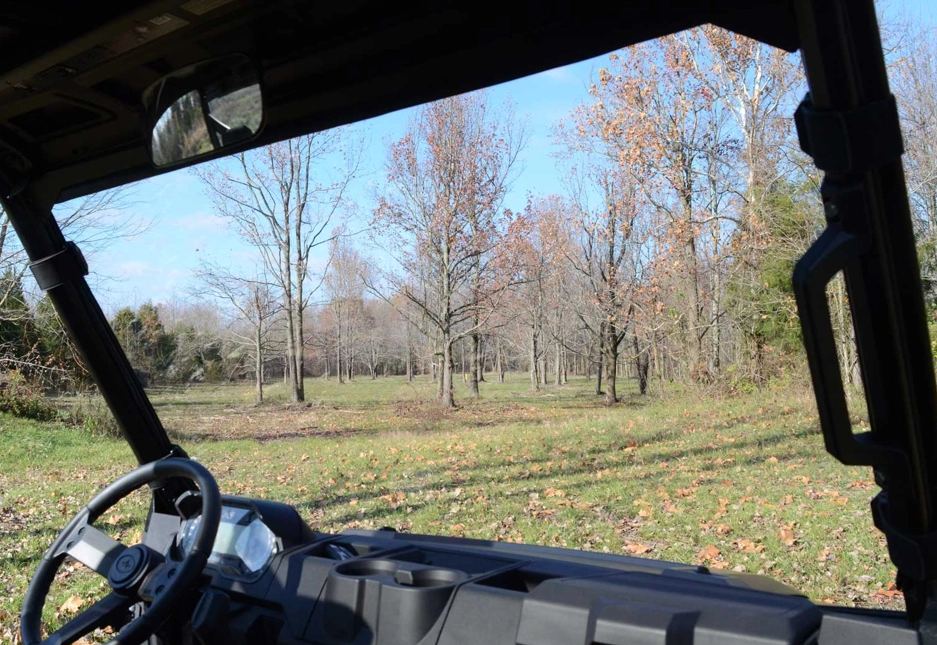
128	569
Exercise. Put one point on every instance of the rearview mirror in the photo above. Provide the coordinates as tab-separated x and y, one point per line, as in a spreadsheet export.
202	108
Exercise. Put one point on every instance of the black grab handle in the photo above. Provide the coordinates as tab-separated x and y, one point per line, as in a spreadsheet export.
835	250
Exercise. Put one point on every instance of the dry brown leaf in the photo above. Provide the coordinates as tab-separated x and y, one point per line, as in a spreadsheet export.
72	605
710	553
637	548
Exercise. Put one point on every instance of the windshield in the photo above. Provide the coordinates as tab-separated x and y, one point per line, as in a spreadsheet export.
558	312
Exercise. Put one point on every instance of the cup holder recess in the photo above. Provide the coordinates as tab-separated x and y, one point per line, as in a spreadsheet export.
367	568
427	577
401	573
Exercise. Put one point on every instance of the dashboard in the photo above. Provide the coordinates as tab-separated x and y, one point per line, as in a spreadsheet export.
272	579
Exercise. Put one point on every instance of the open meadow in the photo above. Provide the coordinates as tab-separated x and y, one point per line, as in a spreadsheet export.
735	483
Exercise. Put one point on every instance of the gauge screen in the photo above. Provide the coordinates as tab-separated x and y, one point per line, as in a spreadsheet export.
243	547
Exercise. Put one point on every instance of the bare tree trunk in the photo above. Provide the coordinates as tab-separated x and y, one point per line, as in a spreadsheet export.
409	356
482	345
259	365
534	376
500	361
462	361
715	333
640	365
447	399
290	307
300	351
559	362
473	367
600	359
611	364
692	310
338	353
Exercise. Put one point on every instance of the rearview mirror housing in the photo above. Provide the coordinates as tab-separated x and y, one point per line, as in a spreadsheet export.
208	106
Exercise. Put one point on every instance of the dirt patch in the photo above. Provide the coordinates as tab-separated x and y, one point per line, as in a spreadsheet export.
11	521
305	433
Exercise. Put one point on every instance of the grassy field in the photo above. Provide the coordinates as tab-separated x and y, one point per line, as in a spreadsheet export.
741	484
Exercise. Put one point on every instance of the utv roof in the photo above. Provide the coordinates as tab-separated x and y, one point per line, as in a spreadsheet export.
71	77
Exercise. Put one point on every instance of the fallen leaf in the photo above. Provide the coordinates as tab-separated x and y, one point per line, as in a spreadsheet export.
710	553
637	548
72	605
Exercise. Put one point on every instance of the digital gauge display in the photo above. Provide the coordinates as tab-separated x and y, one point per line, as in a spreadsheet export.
243	547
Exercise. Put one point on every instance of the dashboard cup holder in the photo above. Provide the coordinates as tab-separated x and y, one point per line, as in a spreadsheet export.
406	598
427	577
367	568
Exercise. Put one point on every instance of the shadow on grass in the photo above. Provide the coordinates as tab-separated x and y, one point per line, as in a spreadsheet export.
490	472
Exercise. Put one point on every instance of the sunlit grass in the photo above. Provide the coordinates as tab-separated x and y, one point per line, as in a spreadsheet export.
731	483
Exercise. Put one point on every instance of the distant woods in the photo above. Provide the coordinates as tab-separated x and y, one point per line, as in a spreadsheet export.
664	255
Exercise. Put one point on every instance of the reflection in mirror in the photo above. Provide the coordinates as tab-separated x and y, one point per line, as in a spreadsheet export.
203	108
180	132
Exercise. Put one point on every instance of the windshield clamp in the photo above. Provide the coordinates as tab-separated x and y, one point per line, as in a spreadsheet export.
850	141
57	269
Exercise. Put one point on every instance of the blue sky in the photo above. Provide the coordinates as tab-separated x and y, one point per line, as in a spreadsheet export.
158	266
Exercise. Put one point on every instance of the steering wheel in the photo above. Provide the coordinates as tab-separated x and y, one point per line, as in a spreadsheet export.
136	573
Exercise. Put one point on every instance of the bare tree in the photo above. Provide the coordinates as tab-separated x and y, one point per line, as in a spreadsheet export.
254	303
284	200
442	216
344	285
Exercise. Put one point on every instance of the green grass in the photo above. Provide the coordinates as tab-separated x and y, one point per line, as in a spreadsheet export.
733	483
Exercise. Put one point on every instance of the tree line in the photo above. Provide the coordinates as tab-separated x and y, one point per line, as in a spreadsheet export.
664	254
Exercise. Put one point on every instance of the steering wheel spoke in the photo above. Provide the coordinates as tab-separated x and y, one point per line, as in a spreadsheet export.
111	611
93	548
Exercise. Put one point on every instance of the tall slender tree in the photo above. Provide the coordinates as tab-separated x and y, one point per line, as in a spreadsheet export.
442	215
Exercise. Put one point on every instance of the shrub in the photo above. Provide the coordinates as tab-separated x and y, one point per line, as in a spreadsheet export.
21	398
92	414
